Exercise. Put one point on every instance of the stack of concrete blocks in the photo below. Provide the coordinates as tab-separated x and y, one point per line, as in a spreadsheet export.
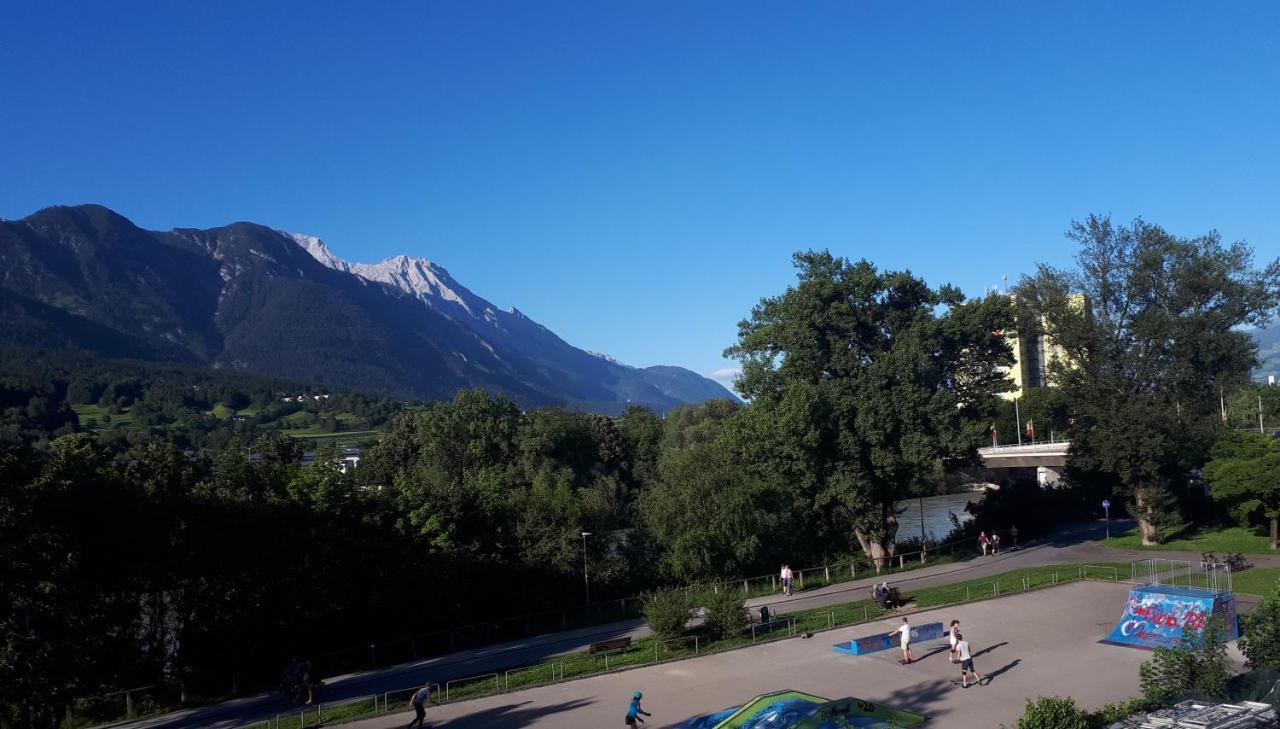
1197	715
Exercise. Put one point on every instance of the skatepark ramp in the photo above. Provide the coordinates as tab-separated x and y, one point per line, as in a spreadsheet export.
885	641
799	710
1163	616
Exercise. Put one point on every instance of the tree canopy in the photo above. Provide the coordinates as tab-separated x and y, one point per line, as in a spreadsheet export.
863	383
1148	329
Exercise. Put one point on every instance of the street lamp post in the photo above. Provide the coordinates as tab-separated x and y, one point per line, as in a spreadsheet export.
586	582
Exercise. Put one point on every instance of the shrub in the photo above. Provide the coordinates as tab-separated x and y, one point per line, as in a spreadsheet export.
1112	713
1261	640
1052	712
726	614
1197	668
667	612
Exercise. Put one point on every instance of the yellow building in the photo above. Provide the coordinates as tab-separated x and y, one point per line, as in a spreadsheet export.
1032	354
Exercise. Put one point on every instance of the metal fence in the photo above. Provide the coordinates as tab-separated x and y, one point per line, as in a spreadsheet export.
1213	577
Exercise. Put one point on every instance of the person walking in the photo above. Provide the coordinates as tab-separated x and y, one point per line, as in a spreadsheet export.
419	703
904	639
634	712
1013	534
785	574
984	542
966	662
952	637
995	542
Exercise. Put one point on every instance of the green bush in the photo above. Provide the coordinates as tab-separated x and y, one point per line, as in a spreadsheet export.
726	614
1197	668
1261	640
667	612
1052	712
1112	713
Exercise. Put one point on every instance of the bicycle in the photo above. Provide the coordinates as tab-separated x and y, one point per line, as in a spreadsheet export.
1238	563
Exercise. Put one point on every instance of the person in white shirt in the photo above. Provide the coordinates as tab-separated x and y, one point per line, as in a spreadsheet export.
952	632
904	639
786	576
966	663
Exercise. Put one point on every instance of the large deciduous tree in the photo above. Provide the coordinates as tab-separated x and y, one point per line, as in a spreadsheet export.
863	383
1147	331
1245	474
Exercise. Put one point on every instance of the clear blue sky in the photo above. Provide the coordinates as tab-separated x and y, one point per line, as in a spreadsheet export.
636	175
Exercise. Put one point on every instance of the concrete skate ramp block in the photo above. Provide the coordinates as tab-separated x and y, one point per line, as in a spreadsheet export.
885	641
1160	616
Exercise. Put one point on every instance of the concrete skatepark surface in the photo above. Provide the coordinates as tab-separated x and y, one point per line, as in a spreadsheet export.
1033	644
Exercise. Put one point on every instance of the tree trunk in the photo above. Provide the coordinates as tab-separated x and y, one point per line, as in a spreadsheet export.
881	546
1145	526
1274	534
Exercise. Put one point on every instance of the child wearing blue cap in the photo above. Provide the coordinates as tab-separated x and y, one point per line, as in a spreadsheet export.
635	712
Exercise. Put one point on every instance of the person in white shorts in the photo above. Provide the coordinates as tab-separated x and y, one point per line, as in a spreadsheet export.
904	639
952	632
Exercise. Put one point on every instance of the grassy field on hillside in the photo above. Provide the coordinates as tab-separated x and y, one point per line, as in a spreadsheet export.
99	415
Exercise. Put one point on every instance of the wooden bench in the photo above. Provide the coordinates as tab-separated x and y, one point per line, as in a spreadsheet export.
609	645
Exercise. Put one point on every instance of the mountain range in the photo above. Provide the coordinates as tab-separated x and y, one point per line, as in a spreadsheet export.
1268	341
248	297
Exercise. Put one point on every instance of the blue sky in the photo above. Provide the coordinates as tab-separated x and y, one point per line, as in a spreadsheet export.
636	175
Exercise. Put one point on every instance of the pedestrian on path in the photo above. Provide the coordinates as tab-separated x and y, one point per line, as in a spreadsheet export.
904	639
419	703
966	663
786	575
953	633
984	542
634	712
995	542
1013	533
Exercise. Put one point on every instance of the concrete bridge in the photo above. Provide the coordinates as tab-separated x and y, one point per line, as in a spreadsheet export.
1048	459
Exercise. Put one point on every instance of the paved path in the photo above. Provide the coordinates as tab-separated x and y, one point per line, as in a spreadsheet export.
1072	543
1030	644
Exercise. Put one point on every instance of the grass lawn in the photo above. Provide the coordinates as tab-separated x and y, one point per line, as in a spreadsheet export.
97	412
1256	581
340	435
1220	541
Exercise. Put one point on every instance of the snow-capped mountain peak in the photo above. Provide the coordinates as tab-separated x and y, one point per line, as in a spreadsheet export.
429	282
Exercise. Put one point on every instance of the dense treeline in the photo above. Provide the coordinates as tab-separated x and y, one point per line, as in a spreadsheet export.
161	552
131	401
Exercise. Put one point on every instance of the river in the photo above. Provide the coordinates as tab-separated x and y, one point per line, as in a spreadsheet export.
936	523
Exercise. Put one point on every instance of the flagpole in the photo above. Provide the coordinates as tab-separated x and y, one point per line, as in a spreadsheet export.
1017	420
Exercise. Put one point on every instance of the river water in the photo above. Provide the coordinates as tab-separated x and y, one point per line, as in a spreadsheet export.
936	523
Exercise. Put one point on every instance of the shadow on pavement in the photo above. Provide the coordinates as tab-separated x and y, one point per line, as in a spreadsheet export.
933	652
923	698
513	715
1001	670
989	648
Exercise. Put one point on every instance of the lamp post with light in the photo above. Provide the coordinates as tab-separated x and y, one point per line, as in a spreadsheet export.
586	582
